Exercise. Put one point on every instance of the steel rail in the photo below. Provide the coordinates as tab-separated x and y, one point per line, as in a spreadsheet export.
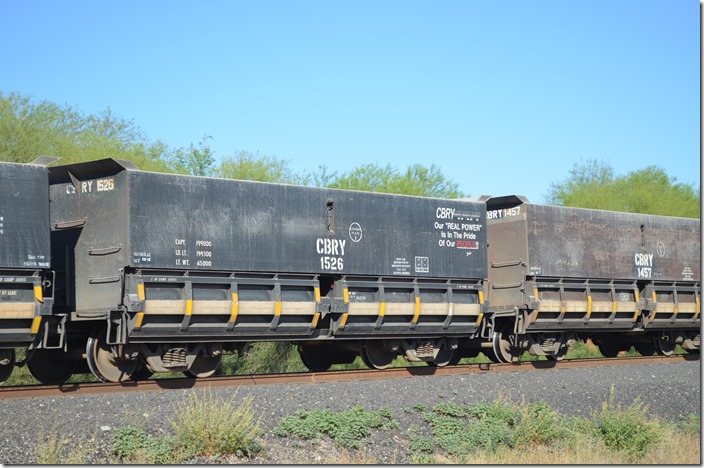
80	389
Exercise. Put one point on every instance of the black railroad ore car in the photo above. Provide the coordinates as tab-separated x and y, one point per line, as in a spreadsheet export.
621	279
25	284
177	268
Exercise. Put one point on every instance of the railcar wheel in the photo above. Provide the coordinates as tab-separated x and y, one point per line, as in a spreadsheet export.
444	358
315	358
375	356
608	348
559	356
204	366
501	346
7	364
50	368
143	372
645	349
456	357
664	343
102	362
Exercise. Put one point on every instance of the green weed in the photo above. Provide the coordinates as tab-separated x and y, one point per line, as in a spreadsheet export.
627	429
349	428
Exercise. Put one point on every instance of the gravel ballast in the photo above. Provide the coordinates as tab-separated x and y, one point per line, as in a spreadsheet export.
672	391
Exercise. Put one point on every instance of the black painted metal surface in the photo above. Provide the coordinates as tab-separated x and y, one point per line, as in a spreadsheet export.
127	218
556	241
24	217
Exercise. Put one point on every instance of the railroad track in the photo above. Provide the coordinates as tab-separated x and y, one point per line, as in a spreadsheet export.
74	389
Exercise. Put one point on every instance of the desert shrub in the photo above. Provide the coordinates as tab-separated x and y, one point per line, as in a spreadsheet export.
208	425
134	445
539	424
348	428
627	430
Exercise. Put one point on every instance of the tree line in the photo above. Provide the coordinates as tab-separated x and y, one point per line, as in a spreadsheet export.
29	129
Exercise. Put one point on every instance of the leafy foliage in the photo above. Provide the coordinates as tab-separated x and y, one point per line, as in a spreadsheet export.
593	184
135	445
415	180
349	428
627	429
208	425
29	130
254	166
204	425
197	161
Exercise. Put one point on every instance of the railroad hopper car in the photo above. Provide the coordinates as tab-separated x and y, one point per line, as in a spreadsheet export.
161	272
25	279
620	279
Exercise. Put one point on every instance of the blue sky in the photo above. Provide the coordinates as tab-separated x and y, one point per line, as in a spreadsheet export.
505	96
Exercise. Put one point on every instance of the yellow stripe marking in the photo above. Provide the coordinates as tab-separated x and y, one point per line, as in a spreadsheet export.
382	309
189	306
235	307
278	308
138	320
346	295
315	320
140	292
589	307
613	307
635	316
536	293
36	323
637	295
343	322
417	314
655	297
38	293
317	294
479	319
696	307
481	297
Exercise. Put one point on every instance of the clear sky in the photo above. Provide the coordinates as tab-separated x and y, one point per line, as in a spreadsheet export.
504	96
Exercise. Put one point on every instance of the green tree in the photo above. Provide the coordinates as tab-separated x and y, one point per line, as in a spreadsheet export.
593	184
29	130
248	166
415	180
193	160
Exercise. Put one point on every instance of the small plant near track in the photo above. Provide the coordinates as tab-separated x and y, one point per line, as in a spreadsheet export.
208	425
51	450
627	430
136	446
349	428
534	433
204	426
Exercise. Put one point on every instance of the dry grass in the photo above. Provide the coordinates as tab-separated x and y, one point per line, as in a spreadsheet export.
678	449
54	450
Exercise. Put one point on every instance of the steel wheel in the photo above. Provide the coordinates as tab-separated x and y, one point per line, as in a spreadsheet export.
50	368
608	348
456	357
664	343
445	356
559	356
143	372
645	349
204	366
103	364
501	345
7	364
315	358
375	356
